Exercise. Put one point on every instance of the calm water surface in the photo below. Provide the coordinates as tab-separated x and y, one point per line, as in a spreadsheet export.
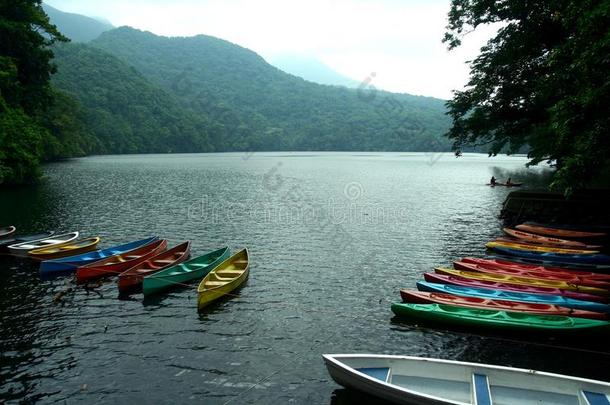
332	236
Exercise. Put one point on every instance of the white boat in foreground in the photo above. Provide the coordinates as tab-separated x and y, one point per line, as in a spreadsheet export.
424	381
22	249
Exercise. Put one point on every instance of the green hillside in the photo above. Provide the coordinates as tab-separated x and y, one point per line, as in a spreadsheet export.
260	107
122	109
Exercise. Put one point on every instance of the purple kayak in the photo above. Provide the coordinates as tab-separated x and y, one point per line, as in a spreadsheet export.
465	282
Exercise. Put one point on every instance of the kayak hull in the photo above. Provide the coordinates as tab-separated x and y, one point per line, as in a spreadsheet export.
194	269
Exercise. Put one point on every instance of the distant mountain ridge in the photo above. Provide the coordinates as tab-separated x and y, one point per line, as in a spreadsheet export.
311	69
147	93
78	28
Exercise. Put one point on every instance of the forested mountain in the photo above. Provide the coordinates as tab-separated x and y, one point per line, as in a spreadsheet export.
122	109
311	69
78	28
252	105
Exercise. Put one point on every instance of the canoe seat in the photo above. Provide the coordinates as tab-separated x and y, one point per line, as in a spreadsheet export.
229	273
595	398
240	261
380	373
131	257
214	283
480	389
165	261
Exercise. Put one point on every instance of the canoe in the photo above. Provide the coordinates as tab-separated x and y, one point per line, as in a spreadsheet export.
22	249
505	185
117	264
467	282
513	296
66	249
522	281
423	297
498	262
509	239
533	238
558	232
425	381
194	269
540	273
223	279
552	257
487	318
7	231
72	262
132	278
5	243
540	249
554	262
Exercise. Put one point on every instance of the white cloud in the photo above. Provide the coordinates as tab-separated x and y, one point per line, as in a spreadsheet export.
399	40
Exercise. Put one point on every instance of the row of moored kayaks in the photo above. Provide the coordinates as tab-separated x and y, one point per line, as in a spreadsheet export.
539	281
546	278
147	265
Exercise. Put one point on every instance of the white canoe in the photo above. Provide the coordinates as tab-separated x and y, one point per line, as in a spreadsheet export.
425	381
22	249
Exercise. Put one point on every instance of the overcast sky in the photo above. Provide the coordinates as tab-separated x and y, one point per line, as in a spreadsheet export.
398	40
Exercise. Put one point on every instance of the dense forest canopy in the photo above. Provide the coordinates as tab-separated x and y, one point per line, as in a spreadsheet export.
541	82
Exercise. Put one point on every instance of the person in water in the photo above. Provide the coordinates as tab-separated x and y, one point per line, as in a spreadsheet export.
492	181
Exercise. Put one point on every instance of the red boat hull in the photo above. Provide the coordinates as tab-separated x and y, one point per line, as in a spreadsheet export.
539	274
558	233
501	305
111	266
443	279
131	279
499	263
547	240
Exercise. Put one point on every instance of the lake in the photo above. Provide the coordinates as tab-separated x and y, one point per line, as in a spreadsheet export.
332	238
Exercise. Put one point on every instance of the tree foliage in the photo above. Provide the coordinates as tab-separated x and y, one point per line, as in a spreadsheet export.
541	82
25	93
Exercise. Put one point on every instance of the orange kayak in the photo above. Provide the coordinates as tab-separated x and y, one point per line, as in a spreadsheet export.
557	232
117	264
421	297
539	274
547	240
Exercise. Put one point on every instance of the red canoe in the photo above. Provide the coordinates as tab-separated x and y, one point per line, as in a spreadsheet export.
132	278
466	282
547	240
526	243
557	232
119	263
506	264
421	297
539	274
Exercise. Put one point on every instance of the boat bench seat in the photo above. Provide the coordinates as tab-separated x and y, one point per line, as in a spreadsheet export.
480	389
595	398
230	273
215	283
165	261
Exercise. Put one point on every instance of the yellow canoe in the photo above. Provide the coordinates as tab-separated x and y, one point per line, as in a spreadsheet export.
544	249
502	278
224	278
65	249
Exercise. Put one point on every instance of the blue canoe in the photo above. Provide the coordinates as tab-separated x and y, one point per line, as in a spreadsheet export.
513	296
72	262
554	257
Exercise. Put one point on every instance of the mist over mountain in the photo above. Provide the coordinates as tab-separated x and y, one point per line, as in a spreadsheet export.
78	28
311	69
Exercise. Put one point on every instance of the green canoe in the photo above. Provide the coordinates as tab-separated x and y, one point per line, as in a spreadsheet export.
495	319
182	273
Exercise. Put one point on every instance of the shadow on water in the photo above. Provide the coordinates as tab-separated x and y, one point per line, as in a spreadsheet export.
344	396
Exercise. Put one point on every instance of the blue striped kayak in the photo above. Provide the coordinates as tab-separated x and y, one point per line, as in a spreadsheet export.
513	296
554	257
72	262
